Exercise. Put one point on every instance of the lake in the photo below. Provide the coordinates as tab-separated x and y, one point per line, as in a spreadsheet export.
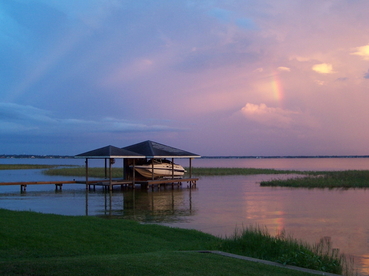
218	205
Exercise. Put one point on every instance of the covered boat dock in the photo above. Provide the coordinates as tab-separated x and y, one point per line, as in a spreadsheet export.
136	154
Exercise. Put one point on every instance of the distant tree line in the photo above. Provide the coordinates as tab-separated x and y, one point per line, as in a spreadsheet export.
297	156
35	156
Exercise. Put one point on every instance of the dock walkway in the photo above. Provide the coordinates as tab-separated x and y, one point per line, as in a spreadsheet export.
106	184
23	185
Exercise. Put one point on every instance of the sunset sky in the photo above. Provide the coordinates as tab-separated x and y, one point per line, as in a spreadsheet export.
240	77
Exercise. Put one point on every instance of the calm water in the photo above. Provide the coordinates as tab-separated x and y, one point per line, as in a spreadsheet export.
219	204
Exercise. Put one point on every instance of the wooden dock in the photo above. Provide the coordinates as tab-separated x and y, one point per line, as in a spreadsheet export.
23	185
106	184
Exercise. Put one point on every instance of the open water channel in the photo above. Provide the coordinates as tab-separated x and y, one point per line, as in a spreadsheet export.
218	205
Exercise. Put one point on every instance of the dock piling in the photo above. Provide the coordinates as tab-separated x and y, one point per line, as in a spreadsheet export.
58	187
23	188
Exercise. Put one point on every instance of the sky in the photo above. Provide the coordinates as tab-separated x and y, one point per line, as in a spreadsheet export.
235	77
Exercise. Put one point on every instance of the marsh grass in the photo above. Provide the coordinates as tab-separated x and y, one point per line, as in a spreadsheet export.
117	172
256	242
331	179
25	166
313	179
81	171
236	171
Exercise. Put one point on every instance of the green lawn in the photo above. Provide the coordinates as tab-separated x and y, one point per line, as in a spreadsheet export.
151	263
44	244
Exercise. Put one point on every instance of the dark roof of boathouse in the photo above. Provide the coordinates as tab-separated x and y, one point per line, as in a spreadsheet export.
153	149
109	152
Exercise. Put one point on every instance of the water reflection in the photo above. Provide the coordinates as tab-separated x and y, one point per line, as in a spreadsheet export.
160	206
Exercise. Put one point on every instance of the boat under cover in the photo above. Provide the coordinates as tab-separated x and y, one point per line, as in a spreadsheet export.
162	168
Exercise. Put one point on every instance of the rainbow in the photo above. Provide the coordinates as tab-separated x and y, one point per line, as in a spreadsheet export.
276	87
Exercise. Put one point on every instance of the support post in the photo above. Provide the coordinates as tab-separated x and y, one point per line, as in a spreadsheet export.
58	187
134	174
106	169
110	175
190	159
23	188
172	168
86	173
123	171
172	173
152	168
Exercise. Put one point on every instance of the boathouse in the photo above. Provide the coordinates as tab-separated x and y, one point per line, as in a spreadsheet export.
133	154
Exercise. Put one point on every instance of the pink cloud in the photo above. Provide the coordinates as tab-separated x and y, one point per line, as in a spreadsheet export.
271	116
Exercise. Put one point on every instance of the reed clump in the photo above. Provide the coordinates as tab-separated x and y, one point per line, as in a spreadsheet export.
257	242
332	179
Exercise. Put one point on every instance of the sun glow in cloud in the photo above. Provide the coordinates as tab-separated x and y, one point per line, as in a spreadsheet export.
323	68
362	51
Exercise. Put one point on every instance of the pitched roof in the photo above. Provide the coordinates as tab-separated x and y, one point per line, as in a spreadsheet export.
153	149
109	152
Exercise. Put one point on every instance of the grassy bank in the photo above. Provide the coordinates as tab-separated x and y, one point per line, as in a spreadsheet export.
317	179
258	243
25	166
81	171
332	179
44	244
236	171
117	172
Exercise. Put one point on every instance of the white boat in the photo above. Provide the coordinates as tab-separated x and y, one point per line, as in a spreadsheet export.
162	168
